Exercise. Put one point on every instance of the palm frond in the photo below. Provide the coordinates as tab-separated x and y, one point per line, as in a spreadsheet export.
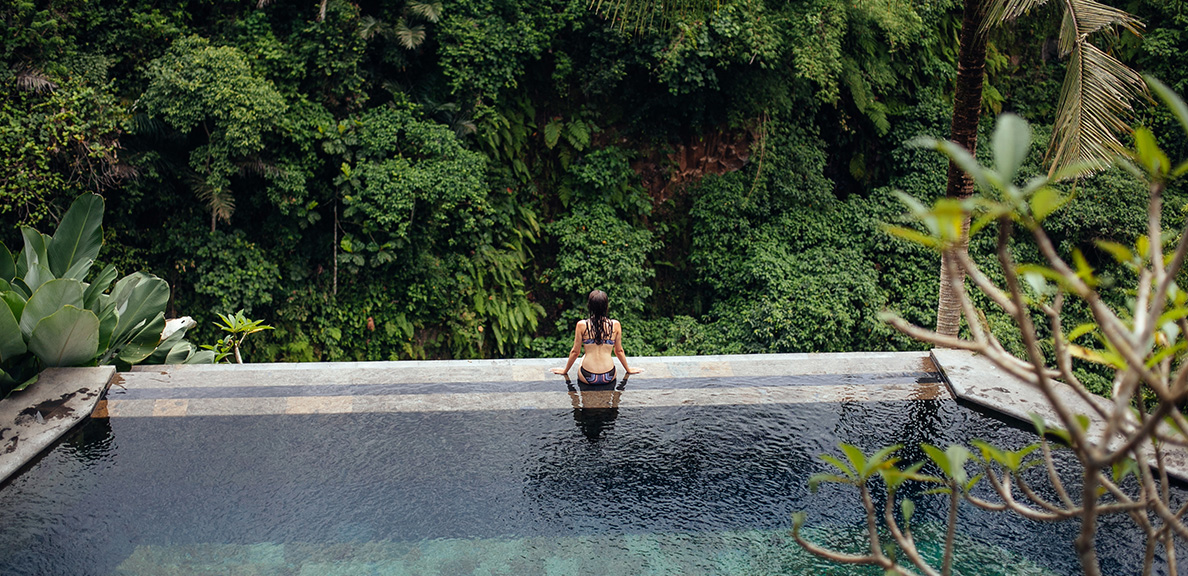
1096	94
370	27
255	165
1085	17
637	15
33	80
430	11
998	11
217	199
409	37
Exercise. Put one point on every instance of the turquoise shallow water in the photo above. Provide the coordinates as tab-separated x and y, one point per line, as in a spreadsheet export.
734	553
673	491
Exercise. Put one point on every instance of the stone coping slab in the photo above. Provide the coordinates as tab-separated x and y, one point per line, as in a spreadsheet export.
33	419
536	400
975	379
519	370
515	384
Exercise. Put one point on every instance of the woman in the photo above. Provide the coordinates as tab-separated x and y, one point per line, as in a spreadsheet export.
601	337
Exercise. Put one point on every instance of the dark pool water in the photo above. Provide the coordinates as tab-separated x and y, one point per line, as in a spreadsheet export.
681	490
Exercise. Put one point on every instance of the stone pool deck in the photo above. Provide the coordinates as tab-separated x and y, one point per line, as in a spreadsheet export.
31	421
457	385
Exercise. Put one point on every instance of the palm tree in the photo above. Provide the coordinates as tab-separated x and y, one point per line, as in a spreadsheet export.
1095	95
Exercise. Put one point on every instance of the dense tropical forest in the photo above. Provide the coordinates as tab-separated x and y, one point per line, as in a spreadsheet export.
387	180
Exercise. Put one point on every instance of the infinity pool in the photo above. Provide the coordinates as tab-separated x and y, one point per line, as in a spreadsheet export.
600	486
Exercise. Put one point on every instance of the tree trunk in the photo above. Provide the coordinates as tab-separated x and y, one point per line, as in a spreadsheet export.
334	258
967	108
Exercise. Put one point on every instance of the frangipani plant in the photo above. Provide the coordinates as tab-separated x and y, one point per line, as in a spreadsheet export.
1123	469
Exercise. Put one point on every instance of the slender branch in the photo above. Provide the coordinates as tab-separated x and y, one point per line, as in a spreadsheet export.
1053	477
1003	488
1086	550
951	530
984	284
1025	488
903	538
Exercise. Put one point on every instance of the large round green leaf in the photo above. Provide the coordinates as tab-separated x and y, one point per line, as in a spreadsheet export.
68	337
48	299
12	343
79	236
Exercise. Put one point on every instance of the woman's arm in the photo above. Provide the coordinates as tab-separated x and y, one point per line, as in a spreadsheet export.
619	352
573	352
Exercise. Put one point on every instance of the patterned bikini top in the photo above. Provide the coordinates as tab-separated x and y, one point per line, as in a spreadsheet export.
610	340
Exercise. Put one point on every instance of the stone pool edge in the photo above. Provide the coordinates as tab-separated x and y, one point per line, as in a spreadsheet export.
32	420
976	380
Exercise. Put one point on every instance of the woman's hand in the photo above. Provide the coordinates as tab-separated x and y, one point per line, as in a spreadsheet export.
560	371
634	370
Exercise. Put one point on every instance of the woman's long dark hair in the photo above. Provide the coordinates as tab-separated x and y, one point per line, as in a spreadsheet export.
598	326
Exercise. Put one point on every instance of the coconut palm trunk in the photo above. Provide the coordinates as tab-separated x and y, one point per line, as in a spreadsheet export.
967	108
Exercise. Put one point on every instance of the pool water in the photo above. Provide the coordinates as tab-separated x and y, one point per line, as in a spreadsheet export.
664	490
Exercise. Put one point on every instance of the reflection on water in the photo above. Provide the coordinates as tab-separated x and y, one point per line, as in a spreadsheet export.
595	408
666	490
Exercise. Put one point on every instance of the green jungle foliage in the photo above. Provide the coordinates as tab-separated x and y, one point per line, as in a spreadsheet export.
448	180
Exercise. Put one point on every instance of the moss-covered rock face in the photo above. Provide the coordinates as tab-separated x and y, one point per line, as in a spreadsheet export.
410	180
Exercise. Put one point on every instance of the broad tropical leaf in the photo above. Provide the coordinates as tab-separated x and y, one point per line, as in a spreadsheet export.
36	245
138	298
79	236
7	265
12	343
99	285
48	299
68	337
144	341
1166	94
14	301
37	275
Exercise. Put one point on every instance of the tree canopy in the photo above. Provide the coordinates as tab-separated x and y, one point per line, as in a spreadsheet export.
399	179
